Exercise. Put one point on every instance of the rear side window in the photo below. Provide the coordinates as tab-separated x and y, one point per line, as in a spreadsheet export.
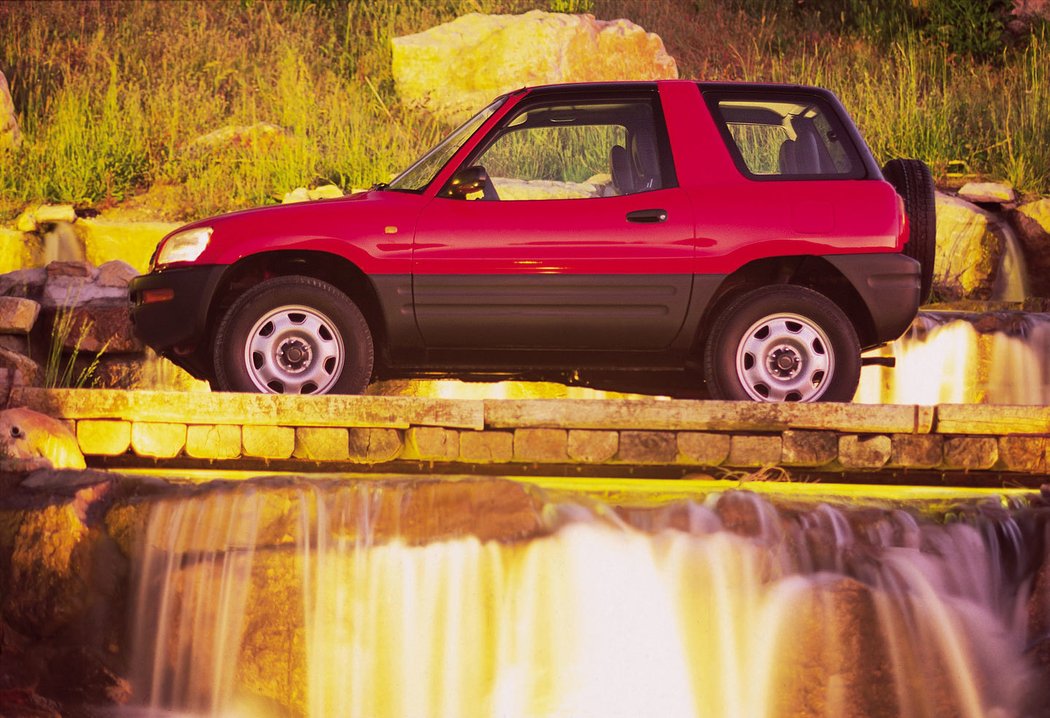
786	137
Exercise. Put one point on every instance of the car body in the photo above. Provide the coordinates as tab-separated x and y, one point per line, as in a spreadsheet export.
595	233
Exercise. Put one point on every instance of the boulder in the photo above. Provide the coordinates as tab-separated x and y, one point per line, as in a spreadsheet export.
16	249
115	273
27	283
1032	225
10	135
26	434
106	239
970	250
98	326
259	135
17	315
36	217
987	192
458	67
30	373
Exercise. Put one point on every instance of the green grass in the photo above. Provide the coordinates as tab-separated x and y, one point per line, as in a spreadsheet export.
112	95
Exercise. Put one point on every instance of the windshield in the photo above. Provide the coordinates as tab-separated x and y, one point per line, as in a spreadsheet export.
419	175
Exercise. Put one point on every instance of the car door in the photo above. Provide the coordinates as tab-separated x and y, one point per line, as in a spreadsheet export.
564	230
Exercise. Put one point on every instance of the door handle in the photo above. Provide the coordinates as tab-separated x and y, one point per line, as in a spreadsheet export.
647	216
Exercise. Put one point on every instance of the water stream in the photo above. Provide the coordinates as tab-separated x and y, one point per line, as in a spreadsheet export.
333	599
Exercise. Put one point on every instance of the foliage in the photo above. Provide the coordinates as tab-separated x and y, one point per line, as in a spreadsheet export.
59	372
112	96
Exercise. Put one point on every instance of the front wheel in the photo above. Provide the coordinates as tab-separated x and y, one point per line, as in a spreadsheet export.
782	343
293	335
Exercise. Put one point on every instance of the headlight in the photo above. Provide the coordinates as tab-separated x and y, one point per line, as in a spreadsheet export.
183	246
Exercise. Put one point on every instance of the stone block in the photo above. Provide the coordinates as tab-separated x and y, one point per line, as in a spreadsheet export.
211	441
593	447
431	443
992	419
541	445
703	448
486	446
268	442
970	452
917	451
1023	453
103	437
864	451
158	440
648	447
809	448
17	315
15	343
321	443
755	450
374	446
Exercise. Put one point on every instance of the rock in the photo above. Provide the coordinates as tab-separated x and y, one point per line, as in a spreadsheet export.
31	372
106	239
458	67
115	273
970	250
102	326
26	434
16	249
302	194
10	135
260	134
987	192
17	315
25	703
36	217
1031	222
27	283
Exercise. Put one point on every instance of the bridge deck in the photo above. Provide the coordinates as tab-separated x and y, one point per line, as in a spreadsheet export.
966	445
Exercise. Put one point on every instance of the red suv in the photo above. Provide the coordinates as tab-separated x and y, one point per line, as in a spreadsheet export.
736	241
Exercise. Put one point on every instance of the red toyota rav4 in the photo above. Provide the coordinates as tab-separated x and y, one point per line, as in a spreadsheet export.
736	241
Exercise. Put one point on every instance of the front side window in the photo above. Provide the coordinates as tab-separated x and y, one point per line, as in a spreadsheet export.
419	175
574	150
786	138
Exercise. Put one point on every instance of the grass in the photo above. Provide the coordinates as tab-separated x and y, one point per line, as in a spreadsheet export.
112	95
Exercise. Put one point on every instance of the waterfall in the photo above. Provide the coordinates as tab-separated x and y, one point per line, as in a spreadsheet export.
328	600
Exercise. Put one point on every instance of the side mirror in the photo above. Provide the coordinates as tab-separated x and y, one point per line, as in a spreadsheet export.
466	181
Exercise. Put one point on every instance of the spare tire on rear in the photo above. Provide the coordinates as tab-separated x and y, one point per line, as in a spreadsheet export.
914	183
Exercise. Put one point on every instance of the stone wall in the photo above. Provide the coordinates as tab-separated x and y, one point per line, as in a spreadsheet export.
342	432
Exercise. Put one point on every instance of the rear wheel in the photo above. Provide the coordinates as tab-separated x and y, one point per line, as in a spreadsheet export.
782	343
293	335
914	183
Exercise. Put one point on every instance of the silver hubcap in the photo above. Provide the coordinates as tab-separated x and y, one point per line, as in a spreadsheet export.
784	357
294	350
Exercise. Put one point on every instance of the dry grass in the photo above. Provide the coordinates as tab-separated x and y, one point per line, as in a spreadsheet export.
111	95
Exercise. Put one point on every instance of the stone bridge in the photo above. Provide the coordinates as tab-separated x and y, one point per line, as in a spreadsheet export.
962	445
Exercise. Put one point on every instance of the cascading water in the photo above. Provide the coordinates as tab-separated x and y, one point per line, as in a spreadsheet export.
334	599
966	358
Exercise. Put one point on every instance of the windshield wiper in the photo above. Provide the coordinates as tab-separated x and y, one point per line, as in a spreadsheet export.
379	186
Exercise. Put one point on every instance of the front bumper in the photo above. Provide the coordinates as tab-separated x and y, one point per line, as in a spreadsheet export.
888	284
177	327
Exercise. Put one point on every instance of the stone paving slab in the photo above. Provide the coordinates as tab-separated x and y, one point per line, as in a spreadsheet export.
392	412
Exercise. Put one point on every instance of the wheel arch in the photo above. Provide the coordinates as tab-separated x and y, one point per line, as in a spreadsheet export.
809	271
338	271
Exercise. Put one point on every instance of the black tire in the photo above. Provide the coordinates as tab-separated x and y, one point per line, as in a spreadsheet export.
293	335
914	183
782	343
